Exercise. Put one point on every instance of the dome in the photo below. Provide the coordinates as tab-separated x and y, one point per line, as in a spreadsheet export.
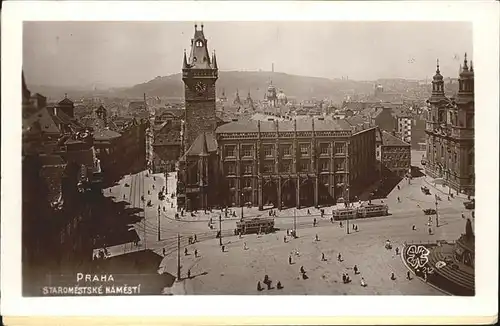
281	96
271	88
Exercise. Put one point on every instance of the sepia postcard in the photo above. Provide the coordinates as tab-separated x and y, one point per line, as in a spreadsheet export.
250	159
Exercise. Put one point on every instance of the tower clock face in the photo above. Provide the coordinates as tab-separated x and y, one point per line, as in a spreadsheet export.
200	87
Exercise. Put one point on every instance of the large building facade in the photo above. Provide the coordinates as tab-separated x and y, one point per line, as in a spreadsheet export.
450	132
303	162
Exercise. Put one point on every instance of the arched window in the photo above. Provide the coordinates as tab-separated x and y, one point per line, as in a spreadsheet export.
199	43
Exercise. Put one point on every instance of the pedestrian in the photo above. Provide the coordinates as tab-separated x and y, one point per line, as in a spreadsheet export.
308	212
413	227
340	224
259	287
393	277
408	276
245	246
323	256
269	285
399	199
164	252
279	286
123	196
223	248
344	278
302	270
189	273
290	260
196	253
399	188
397	251
339	257
153	187
284	238
195	238
317	238
315	222
149	192
430	231
347	278
355	268
185	251
331	219
287	232
363	283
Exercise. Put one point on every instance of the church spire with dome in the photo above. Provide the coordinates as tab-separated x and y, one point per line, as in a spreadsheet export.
437	84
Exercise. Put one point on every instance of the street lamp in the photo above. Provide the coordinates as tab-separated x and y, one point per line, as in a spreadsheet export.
220	230
242	197
437	217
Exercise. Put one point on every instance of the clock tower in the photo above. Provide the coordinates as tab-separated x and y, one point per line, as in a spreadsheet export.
199	74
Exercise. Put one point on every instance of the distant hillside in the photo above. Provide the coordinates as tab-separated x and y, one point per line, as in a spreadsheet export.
299	87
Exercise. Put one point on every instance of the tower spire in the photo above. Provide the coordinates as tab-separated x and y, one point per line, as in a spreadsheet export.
437	66
471	67
214	61
184	62
465	62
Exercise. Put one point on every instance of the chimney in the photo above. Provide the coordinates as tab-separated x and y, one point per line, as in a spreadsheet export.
55	110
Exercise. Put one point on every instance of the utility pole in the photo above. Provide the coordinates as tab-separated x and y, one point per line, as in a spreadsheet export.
242	196
294	221
159	223
220	229
437	217
178	256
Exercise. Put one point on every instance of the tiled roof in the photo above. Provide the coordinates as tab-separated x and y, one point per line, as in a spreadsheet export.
203	144
44	119
389	140
169	133
65	101
303	124
357	120
137	105
105	134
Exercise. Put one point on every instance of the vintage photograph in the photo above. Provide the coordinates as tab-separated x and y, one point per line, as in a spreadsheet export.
248	158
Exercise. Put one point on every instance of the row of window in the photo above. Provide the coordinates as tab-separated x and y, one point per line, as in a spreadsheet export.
248	183
285	149
284	166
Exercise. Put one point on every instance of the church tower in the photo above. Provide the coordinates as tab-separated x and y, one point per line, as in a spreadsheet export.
199	74
463	131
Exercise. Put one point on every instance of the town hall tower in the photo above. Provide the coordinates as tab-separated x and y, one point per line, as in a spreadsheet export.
199	74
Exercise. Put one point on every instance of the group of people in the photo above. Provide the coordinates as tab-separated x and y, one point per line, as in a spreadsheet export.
101	254
267	281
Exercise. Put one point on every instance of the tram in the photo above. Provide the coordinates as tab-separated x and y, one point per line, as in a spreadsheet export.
255	225
371	210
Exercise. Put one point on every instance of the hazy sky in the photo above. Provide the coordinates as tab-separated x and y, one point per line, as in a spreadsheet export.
127	53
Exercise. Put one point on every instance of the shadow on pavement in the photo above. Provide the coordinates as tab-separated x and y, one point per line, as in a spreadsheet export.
416	172
134	268
112	220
